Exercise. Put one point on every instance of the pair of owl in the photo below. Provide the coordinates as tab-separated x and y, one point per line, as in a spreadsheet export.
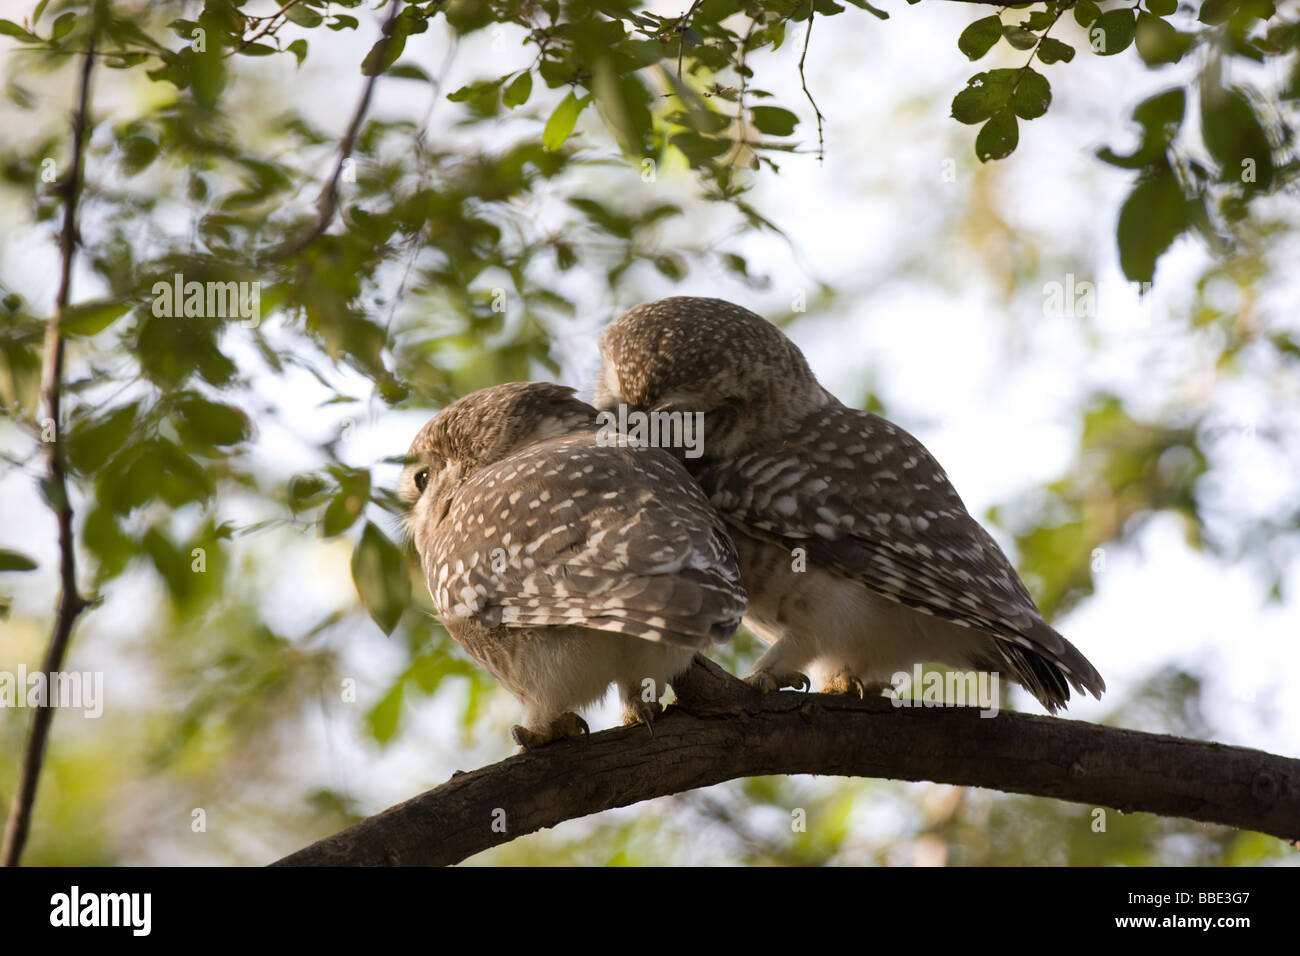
564	559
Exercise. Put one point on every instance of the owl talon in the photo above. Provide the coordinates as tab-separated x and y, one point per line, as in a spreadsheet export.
638	711
853	686
765	681
850	685
566	725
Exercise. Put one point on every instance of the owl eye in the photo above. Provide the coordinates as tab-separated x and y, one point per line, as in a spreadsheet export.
422	479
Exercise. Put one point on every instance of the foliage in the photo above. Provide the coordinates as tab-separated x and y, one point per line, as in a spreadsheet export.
1246	127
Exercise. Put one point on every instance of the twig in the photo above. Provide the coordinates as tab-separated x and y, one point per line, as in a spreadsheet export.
681	33
740	145
803	80
270	21
327	201
71	603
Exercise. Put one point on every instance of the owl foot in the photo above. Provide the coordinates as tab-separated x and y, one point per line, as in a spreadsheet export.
766	681
566	725
845	683
638	711
854	686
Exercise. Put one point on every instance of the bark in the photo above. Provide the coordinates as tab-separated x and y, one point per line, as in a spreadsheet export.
721	729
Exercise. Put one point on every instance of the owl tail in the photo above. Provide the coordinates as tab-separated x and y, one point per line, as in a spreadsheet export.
1047	665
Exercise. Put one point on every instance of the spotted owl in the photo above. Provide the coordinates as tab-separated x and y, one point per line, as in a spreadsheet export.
563	559
858	556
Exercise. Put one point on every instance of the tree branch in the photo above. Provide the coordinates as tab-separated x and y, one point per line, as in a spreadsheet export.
327	200
55	484
721	729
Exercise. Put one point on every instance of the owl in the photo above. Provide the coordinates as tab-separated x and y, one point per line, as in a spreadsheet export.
858	556
562	557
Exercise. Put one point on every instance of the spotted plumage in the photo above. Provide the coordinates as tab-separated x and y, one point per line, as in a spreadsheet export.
564	562
858	555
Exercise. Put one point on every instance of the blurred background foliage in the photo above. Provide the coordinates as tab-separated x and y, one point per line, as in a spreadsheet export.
233	477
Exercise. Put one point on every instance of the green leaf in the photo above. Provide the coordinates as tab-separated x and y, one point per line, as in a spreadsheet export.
1162	113
998	137
1019	37
9	28
92	442
137	153
1235	138
409	71
383	717
347	504
874	11
1161	8
985	94
299	49
1152	217
63	25
1052	50
481	96
1113	32
560	126
209	423
978	38
625	104
517	93
381	579
13	561
303	15
773	120
673	267
113	550
969	106
383	54
305	491
91	318
1032	96
207	72
1086	13
1160	116
1158	42
700	150
1215	12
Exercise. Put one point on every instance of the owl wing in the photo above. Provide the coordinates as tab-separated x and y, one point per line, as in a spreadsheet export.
573	532
867	499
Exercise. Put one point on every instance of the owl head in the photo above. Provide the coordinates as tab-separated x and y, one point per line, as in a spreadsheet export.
686	354
475	431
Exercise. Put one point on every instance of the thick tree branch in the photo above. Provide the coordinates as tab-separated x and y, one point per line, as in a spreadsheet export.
55	483
721	730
